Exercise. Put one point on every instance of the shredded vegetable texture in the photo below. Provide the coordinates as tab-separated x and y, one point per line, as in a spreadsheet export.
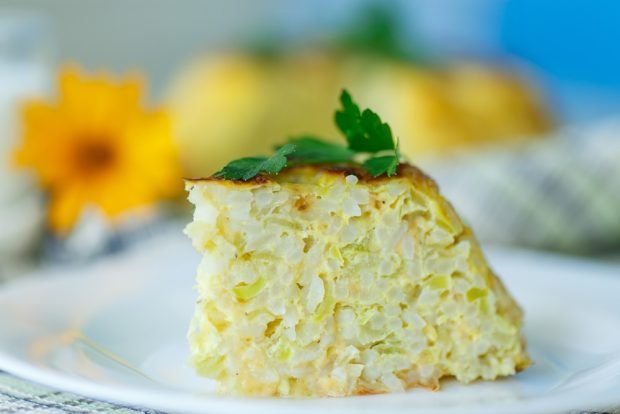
366	134
316	284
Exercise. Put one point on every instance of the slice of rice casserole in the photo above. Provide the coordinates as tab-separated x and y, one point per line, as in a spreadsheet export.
324	281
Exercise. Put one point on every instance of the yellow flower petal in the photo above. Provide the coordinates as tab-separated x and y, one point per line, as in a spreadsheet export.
97	145
64	209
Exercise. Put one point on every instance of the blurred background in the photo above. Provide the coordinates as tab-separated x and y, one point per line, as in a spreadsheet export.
511	105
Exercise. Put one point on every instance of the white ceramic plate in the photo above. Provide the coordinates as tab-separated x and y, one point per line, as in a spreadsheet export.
116	331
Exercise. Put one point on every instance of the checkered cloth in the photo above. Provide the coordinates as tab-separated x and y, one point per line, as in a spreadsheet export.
559	193
18	396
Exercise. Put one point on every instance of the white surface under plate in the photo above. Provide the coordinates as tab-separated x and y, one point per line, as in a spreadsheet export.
116	331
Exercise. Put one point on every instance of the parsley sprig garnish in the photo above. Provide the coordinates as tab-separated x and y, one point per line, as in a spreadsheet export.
366	134
364	131
311	150
247	168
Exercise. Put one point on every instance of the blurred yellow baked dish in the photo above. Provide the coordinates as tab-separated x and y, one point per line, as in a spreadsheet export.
226	106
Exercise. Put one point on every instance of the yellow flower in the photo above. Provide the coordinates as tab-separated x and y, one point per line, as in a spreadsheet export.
97	146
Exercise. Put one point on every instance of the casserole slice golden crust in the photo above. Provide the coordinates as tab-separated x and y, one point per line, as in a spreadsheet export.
324	281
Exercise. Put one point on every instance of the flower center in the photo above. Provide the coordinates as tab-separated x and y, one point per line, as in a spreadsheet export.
94	155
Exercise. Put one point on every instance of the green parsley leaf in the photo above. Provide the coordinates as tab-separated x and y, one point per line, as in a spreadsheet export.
377	166
247	168
311	150
365	131
385	164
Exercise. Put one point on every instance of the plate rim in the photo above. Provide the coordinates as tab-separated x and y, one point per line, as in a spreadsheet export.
175	401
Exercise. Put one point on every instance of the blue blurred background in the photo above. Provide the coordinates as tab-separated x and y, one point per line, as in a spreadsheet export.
569	46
